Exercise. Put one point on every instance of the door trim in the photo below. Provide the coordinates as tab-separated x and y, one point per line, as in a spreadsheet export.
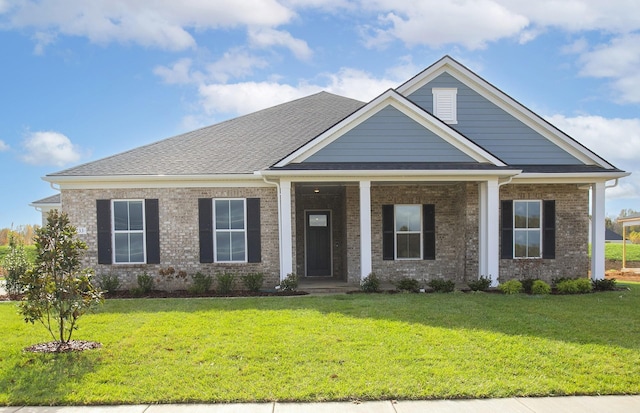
330	213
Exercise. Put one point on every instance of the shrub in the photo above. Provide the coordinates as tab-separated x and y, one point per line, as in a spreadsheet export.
253	281
290	283
540	287
226	282
370	284
16	265
577	286
527	285
145	284
57	290
480	284
109	282
407	284
442	286
201	283
511	287
556	281
604	284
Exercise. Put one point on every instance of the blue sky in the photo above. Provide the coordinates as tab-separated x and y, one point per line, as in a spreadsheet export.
81	80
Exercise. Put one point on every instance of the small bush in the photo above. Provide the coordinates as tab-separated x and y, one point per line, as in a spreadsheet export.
442	286
556	281
145	284
226	282
604	284
16	265
201	283
370	284
540	287
109	282
290	283
253	281
480	284
527	285
511	287
577	286
407	284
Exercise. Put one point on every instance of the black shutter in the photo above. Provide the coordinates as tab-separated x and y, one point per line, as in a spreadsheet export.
152	227
205	223
429	232
506	250
103	213
253	230
549	229
388	241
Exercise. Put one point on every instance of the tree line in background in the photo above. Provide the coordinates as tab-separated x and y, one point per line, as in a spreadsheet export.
633	233
22	234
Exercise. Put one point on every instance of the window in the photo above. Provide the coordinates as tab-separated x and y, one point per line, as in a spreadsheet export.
128	231
408	231
527	229
230	230
445	104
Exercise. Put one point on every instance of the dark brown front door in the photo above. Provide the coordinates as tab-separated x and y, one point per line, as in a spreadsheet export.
318	240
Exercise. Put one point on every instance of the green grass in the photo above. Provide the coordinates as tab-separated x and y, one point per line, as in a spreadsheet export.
403	346
614	251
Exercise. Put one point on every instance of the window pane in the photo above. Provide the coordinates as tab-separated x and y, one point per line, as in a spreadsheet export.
237	214
408	217
122	247
135	216
223	246
136	245
237	246
121	215
520	245
533	212
222	215
408	245
533	241
520	214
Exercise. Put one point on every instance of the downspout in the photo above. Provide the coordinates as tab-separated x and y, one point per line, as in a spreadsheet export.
615	183
278	190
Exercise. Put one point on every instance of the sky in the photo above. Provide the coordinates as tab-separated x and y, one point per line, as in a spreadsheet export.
81	80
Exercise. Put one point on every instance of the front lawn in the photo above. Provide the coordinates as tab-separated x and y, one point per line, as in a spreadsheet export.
402	346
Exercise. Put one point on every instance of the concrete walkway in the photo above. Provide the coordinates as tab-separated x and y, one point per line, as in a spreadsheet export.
577	404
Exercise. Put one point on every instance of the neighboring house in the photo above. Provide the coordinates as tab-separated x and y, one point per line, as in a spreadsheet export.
444	177
45	205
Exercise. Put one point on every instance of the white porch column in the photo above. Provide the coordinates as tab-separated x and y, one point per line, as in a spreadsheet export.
597	230
365	229
286	236
489	229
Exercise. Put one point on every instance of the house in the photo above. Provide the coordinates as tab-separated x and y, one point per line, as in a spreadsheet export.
445	176
45	205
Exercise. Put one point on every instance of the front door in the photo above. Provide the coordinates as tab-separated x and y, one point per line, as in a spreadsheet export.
318	243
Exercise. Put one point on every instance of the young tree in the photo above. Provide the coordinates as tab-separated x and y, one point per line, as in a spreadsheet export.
57	291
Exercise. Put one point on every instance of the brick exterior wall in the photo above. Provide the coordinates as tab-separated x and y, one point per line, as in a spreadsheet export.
179	242
572	233
456	207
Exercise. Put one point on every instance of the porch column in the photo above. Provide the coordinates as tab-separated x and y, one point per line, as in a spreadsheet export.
489	229
286	236
365	229
597	230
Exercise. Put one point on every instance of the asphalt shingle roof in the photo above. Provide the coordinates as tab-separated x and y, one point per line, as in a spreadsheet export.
237	146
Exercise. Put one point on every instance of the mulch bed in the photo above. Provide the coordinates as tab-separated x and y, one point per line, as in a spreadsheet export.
58	347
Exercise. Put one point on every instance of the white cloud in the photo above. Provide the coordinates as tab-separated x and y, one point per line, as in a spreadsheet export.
178	73
162	24
50	148
267	37
235	63
3	146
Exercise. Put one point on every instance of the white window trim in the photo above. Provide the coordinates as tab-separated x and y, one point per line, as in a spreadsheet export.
452	94
539	229
215	231
396	232
114	232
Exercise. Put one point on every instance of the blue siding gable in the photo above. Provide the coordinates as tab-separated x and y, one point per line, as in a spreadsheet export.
389	136
494	129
